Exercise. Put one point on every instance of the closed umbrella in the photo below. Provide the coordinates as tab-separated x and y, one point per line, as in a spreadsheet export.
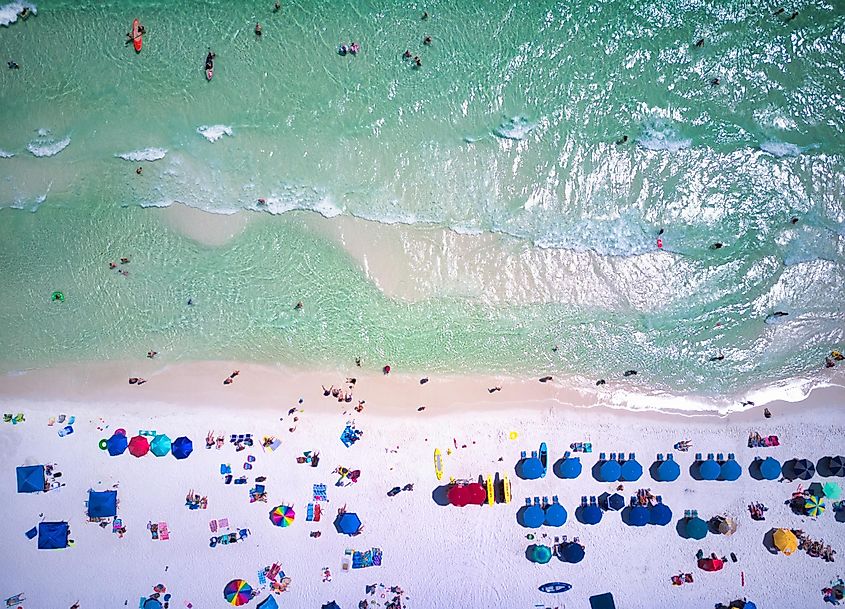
573	552
160	445
116	445
785	541
139	446
770	468
609	471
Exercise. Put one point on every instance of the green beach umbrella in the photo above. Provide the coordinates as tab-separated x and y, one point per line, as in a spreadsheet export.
832	491
814	505
160	445
540	554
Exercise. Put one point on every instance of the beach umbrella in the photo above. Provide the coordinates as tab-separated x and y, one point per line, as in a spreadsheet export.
555	515
182	447
800	468
116	445
139	446
457	495
631	470
709	470
570	468
730	470
836	465
31	478
533	516
573	552
615	502
711	564
727	526
816	489
785	541
591	514
160	445
282	515
770	468
331	605
347	523
695	528
831	491
237	592
660	515
609	471
814	505
530	469
540	554
476	493
668	471
152	603
638	516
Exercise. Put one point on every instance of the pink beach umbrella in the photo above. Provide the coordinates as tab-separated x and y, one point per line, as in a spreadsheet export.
139	446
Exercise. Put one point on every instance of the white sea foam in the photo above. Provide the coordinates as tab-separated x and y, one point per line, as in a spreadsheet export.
214	132
44	145
515	128
6	155
781	149
9	12
280	205
147	154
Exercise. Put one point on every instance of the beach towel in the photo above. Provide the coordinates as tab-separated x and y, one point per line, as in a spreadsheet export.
212	524
223	523
317	512
163	532
320	493
309	512
262	578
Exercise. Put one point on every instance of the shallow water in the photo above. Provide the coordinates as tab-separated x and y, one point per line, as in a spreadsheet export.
509	127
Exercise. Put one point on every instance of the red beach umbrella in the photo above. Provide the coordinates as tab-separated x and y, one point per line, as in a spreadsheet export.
139	446
476	493
457	495
711	564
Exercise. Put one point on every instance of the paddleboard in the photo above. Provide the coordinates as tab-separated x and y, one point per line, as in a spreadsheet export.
506	487
555	587
438	464
137	42
491	493
209	74
544	458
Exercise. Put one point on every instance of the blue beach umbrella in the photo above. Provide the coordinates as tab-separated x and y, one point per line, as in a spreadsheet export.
555	515
695	528
533	516
615	502
591	514
53	535
182	447
573	552
709	470
631	470
770	468
30	479
116	445
730	471
638	516
609	471
660	515
668	471
529	469
570	468
347	523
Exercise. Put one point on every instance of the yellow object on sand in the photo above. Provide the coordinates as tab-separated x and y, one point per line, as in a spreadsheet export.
785	541
513	435
438	464
491	492
506	486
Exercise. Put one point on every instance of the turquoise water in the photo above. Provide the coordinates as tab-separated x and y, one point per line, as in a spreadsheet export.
509	127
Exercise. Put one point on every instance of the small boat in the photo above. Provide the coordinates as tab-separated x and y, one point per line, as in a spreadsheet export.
491	492
544	458
555	587
506	489
438	464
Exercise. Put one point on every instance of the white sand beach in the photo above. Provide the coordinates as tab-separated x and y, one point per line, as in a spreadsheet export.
440	556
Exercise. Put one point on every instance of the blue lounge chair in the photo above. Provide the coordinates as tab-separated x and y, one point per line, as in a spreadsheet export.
602	457
720	457
660	456
698	457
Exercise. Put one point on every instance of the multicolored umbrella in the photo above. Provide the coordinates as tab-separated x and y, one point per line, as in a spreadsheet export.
139	446
814	505
237	592
282	515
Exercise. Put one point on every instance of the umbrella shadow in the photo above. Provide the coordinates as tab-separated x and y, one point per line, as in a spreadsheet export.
695	470
713	525
754	469
596	471
556	467
653	470
681	528
769	541
440	495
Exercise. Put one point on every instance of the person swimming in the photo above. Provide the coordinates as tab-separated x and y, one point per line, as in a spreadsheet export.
277	7
622	140
258	29
13	65
342	50
427	40
406	54
716	246
354	48
699	43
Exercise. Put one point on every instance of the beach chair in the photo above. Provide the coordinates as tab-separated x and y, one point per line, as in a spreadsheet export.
588	447
227	479
613	456
698	457
309	513
720	457
670	457
709	456
317	512
534	454
593	500
262	578
233	439
545	501
523	455
536	501
225	468
528	501
687	514
163	531
632	456
660	457
731	457
583	501
554	499
602	457
243	533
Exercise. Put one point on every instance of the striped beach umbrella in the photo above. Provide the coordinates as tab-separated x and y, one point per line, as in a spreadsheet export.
237	592
814	505
282	515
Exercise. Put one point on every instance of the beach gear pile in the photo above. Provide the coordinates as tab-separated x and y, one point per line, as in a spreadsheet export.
13	419
229	538
755	440
362	560
379	596
158	531
350	434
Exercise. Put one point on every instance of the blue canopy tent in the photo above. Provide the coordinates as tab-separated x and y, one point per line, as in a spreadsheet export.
668	471
116	445
347	523
31	478
102	504
529	469
591	514
52	535
609	471
695	528
638	516
331	605
268	603
631	470
555	515
569	468
709	470
182	447
769	468
730	471
660	514
572	552
615	502
533	516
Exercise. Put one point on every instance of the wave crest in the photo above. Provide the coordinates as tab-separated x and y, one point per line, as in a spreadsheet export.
147	154
214	132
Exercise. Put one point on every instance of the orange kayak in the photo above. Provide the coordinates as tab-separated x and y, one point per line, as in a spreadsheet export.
137	42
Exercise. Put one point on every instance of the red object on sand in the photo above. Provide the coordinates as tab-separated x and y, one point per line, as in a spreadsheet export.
466	494
139	446
136	36
386	369
711	564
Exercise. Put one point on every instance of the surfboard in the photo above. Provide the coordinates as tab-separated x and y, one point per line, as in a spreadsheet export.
544	458
491	493
137	41
209	74
506	487
438	464
555	587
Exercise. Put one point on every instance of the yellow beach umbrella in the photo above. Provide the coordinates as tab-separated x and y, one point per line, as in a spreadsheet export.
785	541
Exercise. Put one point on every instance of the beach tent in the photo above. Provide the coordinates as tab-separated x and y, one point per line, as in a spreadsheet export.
832	491
139	446
785	541
102	504
695	528
555	515
529	469
615	502
638	516
609	471
30	478
347	523
533	516
631	470
160	445
668	471
709	470
769	468
602	601
116	445
730	471
591	514
52	535
268	603
799	468
182	447
539	553
660	514
237	592
569	468
573	552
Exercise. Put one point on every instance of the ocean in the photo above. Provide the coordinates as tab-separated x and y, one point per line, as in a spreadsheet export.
571	132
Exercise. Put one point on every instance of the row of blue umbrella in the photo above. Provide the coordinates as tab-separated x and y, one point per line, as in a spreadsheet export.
535	516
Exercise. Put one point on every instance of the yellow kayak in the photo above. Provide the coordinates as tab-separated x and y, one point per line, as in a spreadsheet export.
506	486
438	463
491	493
